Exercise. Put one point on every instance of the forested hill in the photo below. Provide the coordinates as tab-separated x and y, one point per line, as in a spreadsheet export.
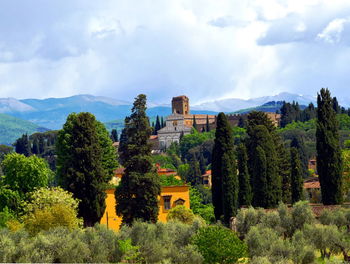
12	128
271	107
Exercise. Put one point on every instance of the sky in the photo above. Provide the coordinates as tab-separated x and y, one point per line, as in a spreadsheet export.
204	49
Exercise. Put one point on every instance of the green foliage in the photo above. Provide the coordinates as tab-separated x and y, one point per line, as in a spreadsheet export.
170	180
192	140
308	125
10	199
219	245
329	162
24	174
343	121
224	172
245	192
182	214
183	171
296	176
137	193
199	207
164	161
4	150
85	164
163	242
131	254
5	216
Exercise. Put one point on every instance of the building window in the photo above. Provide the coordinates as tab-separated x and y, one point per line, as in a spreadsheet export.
179	202
167	203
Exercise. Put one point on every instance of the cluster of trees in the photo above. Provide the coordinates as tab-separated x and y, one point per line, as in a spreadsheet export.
159	124
268	171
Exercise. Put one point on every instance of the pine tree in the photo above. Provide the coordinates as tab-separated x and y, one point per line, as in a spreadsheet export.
207	124
296	175
329	163
224	173
245	192
157	125
137	193
114	135
83	166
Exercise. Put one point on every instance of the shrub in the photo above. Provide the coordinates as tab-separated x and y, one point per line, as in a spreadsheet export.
219	245
246	218
182	214
302	214
51	217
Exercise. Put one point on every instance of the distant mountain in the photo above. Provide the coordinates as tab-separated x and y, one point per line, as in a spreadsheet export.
12	128
271	107
52	112
234	104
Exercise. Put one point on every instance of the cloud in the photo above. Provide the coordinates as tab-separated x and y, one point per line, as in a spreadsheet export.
205	49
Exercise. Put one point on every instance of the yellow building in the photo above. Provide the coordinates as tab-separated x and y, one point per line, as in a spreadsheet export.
170	197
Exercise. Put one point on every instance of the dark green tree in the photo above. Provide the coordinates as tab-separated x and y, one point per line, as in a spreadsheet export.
224	172
162	123
194	173
114	135
83	165
241	122
195	123
284	172
22	146
41	145
296	175
299	144
137	193
157	126
263	166
336	106
329	162
35	147
207	128
244	192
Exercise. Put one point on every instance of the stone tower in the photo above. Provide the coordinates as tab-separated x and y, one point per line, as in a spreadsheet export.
181	105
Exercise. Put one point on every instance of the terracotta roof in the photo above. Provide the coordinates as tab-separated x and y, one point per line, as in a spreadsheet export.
153	137
312	185
199	116
115	144
207	173
165	170
119	171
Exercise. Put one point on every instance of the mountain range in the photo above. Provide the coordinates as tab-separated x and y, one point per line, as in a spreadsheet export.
51	113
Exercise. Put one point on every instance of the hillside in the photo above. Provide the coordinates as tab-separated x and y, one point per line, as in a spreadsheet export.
12	128
271	107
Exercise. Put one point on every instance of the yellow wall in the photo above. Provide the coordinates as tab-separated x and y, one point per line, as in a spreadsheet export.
176	192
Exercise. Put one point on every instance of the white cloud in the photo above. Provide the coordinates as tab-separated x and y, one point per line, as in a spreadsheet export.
205	49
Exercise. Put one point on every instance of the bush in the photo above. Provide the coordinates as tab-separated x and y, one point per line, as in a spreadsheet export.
51	217
182	214
302	214
219	245
162	242
246	218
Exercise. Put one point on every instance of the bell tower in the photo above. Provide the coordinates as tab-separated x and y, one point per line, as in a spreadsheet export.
180	105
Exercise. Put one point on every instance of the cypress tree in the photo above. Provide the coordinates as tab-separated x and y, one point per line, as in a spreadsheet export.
82	165
195	123
224	173
41	144
336	106
22	146
35	148
284	171
207	124
194	174
263	162
157	125
241	122
137	193
296	175
245	192
162	123
114	135
298	143
329	163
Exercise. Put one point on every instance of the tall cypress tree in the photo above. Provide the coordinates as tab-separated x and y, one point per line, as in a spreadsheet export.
298	143
263	163
329	162
137	193
207	124
35	147
194	174
224	173
284	172
195	123
296	175
85	164
157	125
41	144
162	123
245	192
